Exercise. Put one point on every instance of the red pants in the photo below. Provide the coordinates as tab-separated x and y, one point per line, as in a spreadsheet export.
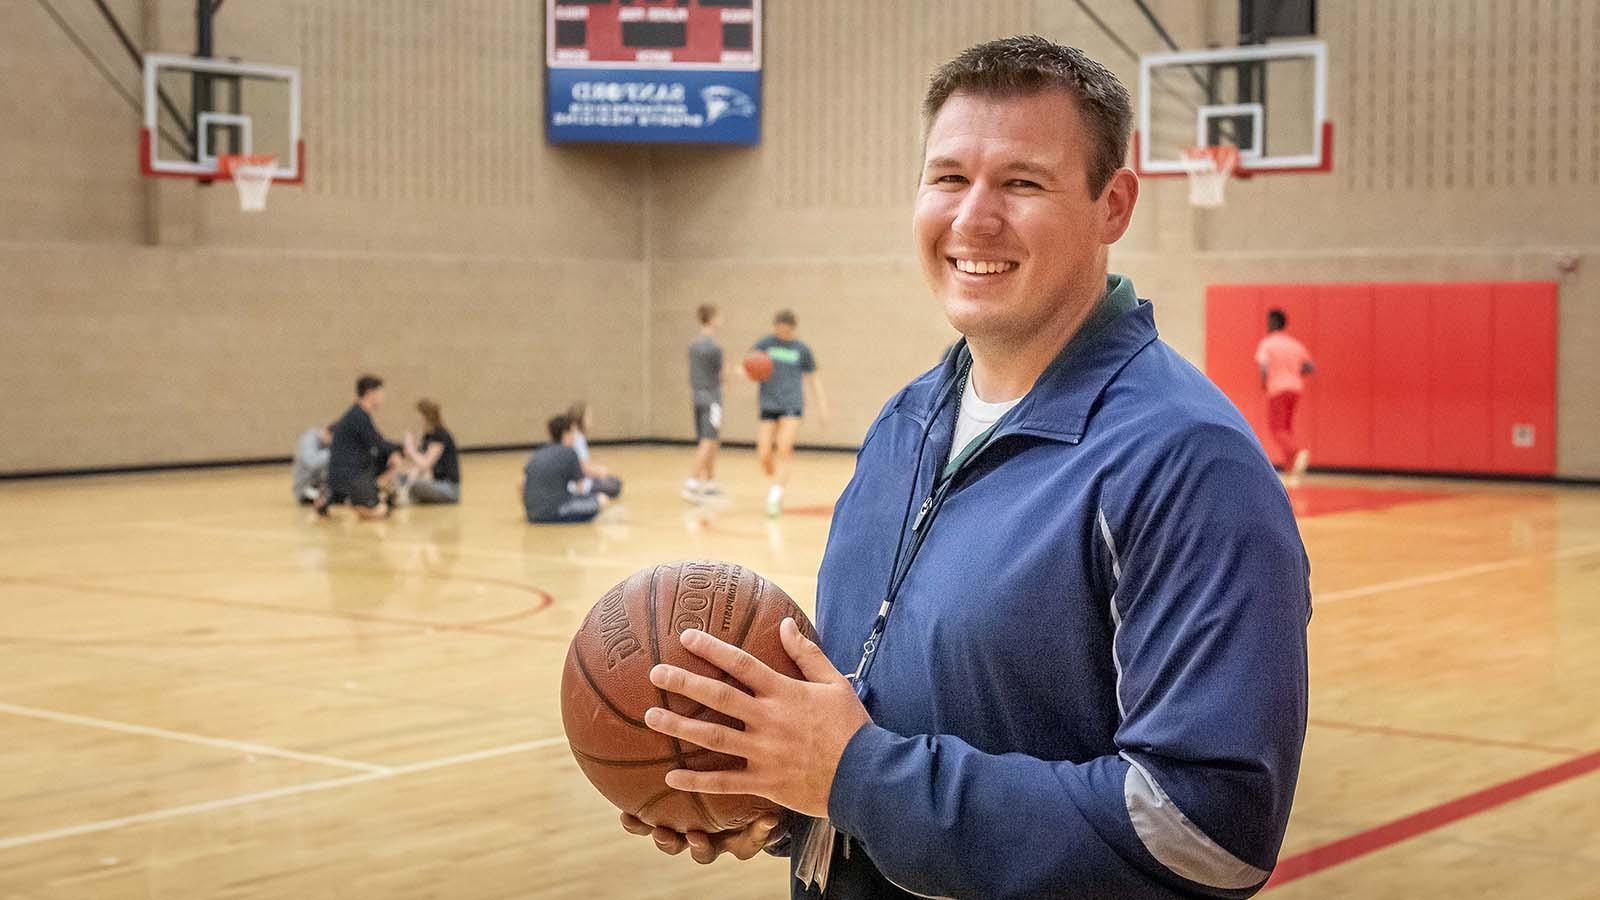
1280	423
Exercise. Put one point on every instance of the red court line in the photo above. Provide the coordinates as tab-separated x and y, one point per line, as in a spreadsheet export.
1387	835
1329	499
823	511
1446	737
484	626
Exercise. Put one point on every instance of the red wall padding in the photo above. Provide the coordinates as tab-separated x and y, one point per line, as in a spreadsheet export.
1444	377
1400	358
1343	379
1231	350
1523	377
1460	343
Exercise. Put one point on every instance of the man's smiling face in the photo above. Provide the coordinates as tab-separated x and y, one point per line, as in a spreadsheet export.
1010	239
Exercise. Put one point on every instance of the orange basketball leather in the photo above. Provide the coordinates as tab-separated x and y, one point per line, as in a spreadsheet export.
605	687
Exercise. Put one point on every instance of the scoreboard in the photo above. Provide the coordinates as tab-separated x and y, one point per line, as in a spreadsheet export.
653	71
664	32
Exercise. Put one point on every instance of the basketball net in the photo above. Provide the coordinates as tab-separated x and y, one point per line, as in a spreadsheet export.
1209	169
252	175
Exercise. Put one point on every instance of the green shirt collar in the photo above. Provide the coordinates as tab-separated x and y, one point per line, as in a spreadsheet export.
1118	300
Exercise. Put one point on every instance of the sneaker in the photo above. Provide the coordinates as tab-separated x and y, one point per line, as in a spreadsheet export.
691	494
1298	468
1301	461
775	501
711	489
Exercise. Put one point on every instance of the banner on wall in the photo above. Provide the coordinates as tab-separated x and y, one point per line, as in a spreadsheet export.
653	71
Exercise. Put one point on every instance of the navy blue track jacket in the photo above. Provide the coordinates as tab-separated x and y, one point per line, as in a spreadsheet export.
1093	682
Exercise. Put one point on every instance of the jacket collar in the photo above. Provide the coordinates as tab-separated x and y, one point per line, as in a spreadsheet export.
1058	405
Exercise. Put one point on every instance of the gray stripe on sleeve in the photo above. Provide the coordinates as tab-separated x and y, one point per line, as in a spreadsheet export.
1178	843
1116	615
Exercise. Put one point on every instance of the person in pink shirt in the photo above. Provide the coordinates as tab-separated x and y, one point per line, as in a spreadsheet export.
1284	363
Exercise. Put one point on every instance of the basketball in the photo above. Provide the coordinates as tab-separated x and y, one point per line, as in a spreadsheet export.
758	365
606	689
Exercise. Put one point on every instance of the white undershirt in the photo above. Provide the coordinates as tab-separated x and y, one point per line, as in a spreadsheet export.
974	418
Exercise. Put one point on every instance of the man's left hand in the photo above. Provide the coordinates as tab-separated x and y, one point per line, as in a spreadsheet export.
794	731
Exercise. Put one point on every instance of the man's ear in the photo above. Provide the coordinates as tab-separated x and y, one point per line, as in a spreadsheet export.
1120	195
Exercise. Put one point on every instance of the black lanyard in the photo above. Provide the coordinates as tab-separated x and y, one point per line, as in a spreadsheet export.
922	524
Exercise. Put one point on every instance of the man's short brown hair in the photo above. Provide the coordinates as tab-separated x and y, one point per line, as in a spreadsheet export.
1027	64
558	426
706	312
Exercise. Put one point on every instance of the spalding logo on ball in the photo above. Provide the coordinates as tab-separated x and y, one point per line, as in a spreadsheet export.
606	689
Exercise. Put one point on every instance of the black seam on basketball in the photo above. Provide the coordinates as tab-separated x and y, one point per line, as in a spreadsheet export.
627	719
655	646
639	814
705	811
655	654
639	763
756	596
755	606
749	622
678	757
683	756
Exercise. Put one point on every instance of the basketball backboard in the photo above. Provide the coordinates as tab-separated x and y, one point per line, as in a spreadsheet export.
198	110
1268	100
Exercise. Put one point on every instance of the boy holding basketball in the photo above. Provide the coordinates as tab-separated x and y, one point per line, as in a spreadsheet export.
1077	640
783	403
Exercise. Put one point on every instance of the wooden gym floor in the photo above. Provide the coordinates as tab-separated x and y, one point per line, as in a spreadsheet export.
206	693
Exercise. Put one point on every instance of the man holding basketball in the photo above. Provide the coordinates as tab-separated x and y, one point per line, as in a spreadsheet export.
1076	637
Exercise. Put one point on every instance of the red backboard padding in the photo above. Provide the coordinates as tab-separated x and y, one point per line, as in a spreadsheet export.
1445	377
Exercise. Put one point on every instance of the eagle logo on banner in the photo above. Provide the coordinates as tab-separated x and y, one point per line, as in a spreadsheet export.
722	101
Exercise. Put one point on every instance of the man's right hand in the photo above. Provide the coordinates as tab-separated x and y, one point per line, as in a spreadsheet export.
705	848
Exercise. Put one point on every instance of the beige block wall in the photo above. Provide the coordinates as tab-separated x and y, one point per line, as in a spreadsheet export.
442	242
1464	149
818	218
107	364
437	241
